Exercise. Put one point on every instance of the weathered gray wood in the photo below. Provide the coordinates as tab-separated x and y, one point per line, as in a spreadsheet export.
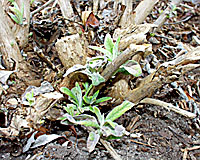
128	17
66	8
71	50
163	17
22	32
143	10
8	45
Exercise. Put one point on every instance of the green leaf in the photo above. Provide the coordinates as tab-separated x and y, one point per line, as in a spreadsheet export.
103	99
90	99
62	118
132	67
98	114
78	93
69	93
89	124
115	49
82	119
119	110
108	43
96	62
76	67
111	137
96	78
111	123
87	99
30	97
118	131
32	2
15	5
94	97
69	118
17	13
107	131
88	89
92	140
70	109
106	52
86	120
135	71
14	18
11	1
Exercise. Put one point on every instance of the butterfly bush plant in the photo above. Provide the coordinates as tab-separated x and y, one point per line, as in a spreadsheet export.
102	126
98	124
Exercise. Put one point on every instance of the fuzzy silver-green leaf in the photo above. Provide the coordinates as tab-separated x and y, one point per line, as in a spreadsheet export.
119	110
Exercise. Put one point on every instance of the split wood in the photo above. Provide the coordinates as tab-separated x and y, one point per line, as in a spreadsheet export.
9	47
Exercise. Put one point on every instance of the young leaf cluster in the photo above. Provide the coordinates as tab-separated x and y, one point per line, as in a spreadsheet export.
111	52
92	69
17	13
80	99
30	98
111	48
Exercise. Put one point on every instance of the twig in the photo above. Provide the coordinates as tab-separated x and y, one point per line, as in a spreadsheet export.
110	150
188	149
121	59
169	106
132	123
184	20
141	143
66	8
179	136
73	21
108	147
42	7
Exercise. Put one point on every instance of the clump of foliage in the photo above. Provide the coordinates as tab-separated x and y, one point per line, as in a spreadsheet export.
17	13
92	69
111	48
111	51
95	65
102	126
80	99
